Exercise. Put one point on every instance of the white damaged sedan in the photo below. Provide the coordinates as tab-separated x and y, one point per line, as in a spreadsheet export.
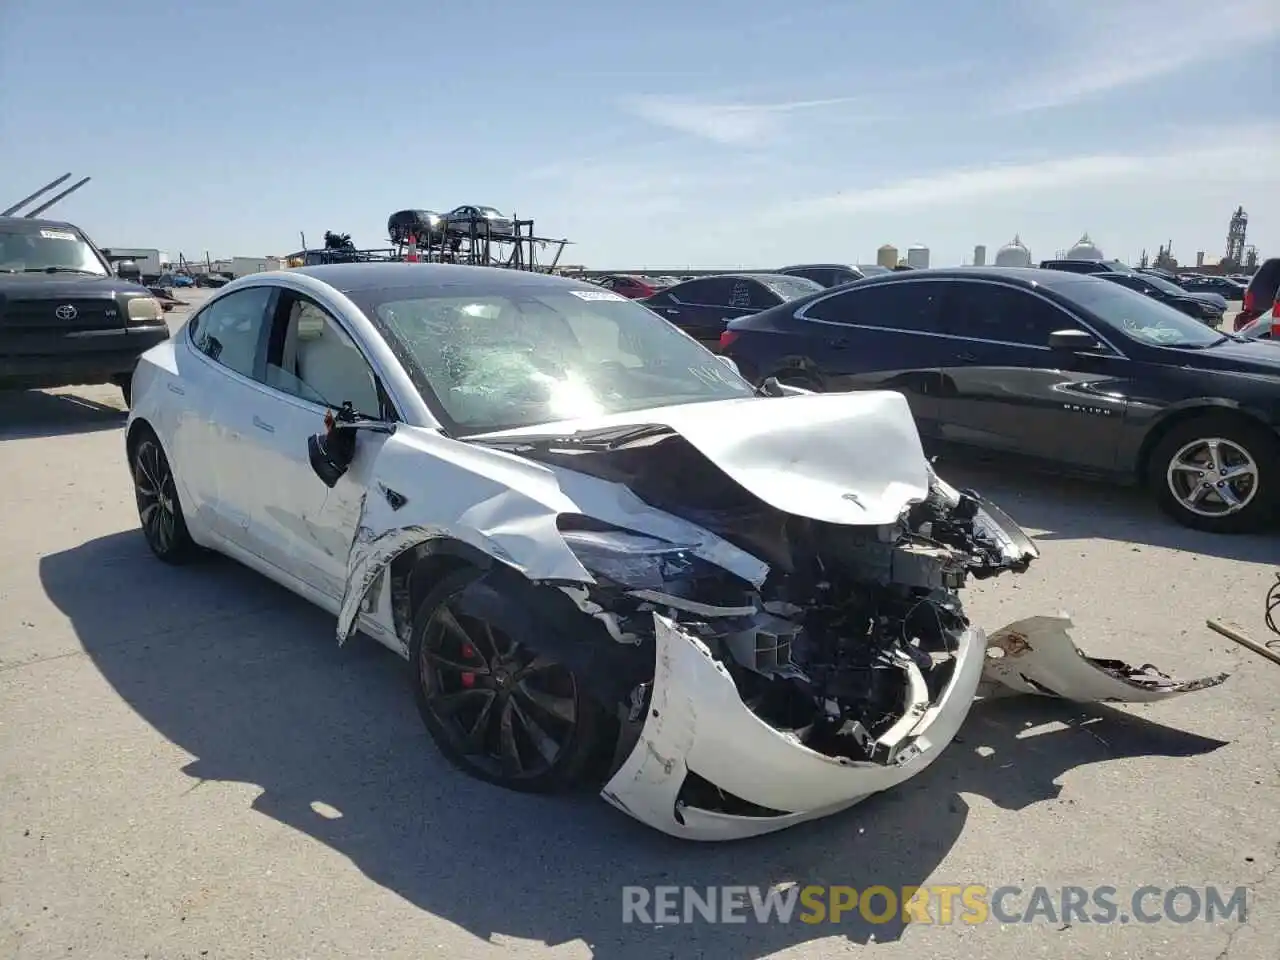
606	557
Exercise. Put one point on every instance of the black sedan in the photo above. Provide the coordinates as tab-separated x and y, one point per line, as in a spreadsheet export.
824	274
1225	287
1209	308
1071	371
703	306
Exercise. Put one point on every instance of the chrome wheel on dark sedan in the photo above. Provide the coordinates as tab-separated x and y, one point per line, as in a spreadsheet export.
1218	472
1213	477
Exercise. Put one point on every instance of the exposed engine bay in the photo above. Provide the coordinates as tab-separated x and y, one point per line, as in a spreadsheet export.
765	595
853	634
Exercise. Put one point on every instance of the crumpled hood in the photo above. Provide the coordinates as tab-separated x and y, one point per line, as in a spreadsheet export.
847	458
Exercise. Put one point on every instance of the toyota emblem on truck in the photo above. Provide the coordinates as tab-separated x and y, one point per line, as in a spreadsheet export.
66	312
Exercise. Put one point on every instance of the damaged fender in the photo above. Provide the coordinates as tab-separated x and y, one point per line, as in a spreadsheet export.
426	486
697	722
1037	656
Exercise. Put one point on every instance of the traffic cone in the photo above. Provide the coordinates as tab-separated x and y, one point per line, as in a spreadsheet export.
412	255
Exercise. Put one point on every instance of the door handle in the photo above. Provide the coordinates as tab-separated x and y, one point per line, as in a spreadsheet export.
174	388
263	425
967	357
838	344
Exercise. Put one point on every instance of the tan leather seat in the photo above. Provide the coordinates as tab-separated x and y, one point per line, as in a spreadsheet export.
327	361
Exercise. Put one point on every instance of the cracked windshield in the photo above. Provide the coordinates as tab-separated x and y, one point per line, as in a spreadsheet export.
529	357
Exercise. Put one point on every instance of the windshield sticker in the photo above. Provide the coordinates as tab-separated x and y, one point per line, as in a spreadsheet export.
57	235
597	295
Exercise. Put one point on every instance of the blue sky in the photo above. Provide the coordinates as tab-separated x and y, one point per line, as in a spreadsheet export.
711	134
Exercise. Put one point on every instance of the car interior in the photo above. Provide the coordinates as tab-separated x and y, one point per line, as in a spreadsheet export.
320	363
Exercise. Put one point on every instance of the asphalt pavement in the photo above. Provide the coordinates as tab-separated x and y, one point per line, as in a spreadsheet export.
191	767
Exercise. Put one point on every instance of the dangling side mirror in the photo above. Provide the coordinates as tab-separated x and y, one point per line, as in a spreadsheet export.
332	451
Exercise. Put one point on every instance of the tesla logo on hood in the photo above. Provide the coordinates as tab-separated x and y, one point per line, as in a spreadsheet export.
66	312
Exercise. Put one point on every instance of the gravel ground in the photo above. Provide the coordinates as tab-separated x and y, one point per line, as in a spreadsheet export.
192	768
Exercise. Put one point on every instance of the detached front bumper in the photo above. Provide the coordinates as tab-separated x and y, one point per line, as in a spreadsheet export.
697	723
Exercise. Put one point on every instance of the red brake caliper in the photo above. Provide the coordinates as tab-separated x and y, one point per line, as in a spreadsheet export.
468	679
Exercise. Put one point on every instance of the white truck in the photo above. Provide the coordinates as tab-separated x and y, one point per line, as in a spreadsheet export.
151	263
243	266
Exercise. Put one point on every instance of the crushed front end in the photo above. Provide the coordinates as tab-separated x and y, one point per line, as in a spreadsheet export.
845	672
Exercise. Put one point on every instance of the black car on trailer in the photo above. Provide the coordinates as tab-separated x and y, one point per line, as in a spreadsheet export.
65	317
1060	368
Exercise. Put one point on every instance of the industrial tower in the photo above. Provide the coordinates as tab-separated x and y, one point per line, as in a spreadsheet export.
1234	258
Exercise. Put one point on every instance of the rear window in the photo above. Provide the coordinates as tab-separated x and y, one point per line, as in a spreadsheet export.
1264	283
791	288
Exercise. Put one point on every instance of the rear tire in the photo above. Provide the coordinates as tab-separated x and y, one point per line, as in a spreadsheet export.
1219	473
515	719
159	509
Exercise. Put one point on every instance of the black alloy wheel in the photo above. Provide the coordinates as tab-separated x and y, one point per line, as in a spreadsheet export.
159	510
496	709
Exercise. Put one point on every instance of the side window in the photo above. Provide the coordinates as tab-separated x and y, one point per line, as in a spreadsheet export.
740	294
816	274
232	329
312	358
909	307
710	291
716	291
760	296
985	311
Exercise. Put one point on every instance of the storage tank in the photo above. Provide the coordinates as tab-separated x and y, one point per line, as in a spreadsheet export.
1085	249
918	257
887	256
980	256
1013	254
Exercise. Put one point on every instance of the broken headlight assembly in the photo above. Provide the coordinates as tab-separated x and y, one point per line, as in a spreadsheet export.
631	560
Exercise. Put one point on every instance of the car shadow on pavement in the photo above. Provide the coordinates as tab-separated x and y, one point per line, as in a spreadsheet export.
1053	508
250	680
29	414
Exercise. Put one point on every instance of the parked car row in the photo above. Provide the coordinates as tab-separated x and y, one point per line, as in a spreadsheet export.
1209	307
1077	372
1225	287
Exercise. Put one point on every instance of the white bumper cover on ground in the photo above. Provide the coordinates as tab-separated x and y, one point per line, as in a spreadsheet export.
698	722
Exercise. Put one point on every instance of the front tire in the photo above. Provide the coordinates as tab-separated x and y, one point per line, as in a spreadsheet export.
1218	473
159	510
497	710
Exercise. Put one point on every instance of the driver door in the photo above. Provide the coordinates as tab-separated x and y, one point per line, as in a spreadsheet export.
313	365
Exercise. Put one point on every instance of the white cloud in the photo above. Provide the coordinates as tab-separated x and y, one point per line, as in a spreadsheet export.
736	124
1102	45
1248	155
